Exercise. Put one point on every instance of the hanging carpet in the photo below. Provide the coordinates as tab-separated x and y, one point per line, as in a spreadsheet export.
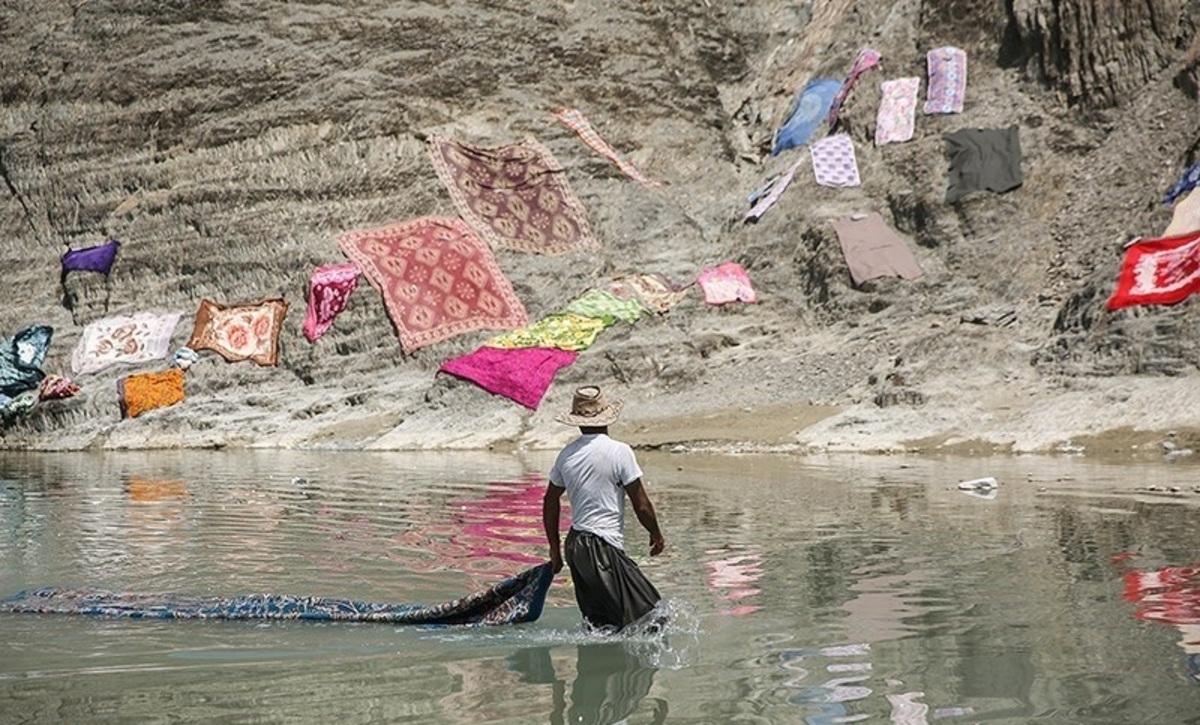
983	159
240	332
21	359
515	196
437	279
523	375
895	121
128	340
149	391
1158	272
947	80
514	600
873	250
329	292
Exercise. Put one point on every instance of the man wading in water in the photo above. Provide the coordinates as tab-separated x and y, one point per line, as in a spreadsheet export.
594	469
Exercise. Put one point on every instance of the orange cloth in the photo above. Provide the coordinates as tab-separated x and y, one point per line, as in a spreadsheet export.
154	491
147	391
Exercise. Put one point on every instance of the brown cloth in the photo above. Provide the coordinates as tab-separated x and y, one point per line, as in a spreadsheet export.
611	590
873	250
514	196
983	159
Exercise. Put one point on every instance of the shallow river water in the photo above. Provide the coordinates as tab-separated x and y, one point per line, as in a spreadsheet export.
805	590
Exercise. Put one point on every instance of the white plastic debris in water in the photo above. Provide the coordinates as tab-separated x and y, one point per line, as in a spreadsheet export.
979	484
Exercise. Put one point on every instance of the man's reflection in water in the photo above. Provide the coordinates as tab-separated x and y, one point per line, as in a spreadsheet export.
610	683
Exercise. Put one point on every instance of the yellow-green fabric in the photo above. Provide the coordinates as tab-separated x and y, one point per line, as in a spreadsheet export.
565	332
604	306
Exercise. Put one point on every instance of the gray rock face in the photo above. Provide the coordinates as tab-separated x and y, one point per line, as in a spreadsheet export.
227	143
1093	52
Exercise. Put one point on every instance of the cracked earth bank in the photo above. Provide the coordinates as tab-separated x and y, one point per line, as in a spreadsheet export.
227	143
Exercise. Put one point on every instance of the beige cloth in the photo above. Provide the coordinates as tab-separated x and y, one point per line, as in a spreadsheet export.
1186	217
873	250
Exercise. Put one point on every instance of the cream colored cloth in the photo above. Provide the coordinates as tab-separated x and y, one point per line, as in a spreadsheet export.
1186	218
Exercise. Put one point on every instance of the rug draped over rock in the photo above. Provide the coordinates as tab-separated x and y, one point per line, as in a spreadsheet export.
515	196
437	279
522	375
56	387
983	159
1158	272
247	331
947	80
575	120
895	121
606	307
834	163
655	291
329	292
512	601
91	259
873	250
21	359
725	283
128	340
564	331
148	391
809	111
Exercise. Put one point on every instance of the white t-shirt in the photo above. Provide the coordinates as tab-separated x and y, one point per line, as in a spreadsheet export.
595	470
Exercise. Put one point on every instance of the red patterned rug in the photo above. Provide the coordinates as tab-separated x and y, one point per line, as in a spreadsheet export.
516	196
437	279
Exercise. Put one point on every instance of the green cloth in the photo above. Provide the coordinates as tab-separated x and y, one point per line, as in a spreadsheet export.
604	306
565	332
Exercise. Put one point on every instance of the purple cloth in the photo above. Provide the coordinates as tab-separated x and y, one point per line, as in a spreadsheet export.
329	292
522	374
92	259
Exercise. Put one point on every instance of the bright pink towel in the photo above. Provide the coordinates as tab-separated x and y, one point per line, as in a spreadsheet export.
520	374
329	292
726	282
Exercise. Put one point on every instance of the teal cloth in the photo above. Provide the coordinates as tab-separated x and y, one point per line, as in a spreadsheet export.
21	359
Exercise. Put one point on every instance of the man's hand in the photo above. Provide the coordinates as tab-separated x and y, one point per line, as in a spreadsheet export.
657	544
556	562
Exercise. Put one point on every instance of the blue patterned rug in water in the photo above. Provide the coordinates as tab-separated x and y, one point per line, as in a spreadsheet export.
514	600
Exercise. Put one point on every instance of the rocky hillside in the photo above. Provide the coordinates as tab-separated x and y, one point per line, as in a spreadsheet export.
226	144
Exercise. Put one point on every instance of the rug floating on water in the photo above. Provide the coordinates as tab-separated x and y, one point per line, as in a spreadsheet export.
517	599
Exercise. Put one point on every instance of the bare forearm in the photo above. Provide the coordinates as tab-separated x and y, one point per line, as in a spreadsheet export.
647	518
551	510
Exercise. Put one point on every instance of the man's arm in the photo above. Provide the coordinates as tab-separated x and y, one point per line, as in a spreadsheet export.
645	515
551	508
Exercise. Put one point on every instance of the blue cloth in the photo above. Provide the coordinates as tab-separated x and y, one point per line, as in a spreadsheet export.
808	112
514	600
21	359
1186	183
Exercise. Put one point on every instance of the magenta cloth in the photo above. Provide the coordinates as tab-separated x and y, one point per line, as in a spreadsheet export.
329	292
866	60
726	282
92	259
522	374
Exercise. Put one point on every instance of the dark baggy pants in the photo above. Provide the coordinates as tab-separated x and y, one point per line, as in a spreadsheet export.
610	588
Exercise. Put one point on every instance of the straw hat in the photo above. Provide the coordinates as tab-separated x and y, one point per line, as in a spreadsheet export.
591	409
